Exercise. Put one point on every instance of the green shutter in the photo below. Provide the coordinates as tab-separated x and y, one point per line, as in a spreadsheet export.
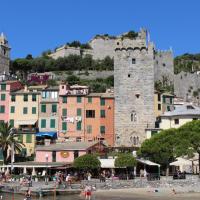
33	110
64	99
12	122
102	129
2	109
52	123
64	112
34	97
12	109
78	111
25	97
79	99
54	108
3	86
43	123
103	114
25	110
3	97
164	99
89	99
43	108
102	102
78	126
171	100
20	138
64	126
13	98
28	138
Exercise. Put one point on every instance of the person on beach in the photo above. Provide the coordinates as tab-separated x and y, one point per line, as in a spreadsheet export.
88	192
68	180
28	195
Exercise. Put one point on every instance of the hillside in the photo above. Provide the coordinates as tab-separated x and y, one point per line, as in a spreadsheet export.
187	63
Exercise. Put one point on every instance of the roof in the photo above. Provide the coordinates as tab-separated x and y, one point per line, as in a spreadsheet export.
37	87
183	110
66	146
147	162
51	88
78	87
168	94
103	95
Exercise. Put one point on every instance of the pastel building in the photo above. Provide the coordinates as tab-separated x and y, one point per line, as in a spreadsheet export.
48	113
6	88
24	114
85	116
66	152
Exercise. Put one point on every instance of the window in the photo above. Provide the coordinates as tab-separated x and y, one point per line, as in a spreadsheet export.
64	99
102	129
159	97
28	138
176	121
76	154
12	109
133	60
13	98
78	126
133	116
89	129
90	113
137	96
43	123
164	99
43	108
25	110
79	99
168	108
34	97
11	122
171	100
54	108
52	123
78	111
2	109
194	119
3	86
159	106
164	64
25	97
102	114
89	99
20	138
102	102
64	126
33	110
129	75
64	112
53	156
3	97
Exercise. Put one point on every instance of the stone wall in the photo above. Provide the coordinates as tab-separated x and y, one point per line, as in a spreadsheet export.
134	91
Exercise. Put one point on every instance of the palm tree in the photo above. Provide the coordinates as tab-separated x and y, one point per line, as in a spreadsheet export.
7	139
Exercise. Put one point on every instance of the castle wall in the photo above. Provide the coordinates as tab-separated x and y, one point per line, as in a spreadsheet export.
164	66
134	92
4	64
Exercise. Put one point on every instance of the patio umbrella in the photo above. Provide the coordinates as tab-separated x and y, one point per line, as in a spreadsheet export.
24	172
33	172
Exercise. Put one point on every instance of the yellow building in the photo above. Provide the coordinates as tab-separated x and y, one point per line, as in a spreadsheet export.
179	116
24	116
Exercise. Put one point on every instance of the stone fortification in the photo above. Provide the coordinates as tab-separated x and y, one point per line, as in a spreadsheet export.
4	55
134	90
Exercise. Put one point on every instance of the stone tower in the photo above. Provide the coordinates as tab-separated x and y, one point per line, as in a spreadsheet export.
134	89
4	55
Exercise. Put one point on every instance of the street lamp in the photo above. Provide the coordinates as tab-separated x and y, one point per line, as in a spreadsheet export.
46	174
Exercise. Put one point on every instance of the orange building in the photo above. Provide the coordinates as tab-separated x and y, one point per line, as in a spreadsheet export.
85	116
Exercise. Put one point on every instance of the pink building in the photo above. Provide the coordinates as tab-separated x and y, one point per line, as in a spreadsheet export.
66	152
6	88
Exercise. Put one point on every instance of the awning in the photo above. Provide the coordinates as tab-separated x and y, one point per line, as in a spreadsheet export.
181	161
147	162
107	163
47	134
26	122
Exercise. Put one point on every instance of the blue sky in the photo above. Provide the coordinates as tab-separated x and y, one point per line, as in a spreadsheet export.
33	26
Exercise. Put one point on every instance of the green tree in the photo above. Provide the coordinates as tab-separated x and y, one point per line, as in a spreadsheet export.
161	148
72	79
189	137
125	160
7	139
87	162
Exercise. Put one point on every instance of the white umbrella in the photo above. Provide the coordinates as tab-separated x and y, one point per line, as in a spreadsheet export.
33	172
24	172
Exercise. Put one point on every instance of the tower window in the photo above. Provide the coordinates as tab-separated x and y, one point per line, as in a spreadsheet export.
133	60
117	43
133	116
129	75
164	64
137	96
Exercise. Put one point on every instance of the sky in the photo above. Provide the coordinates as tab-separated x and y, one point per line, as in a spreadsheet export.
33	26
